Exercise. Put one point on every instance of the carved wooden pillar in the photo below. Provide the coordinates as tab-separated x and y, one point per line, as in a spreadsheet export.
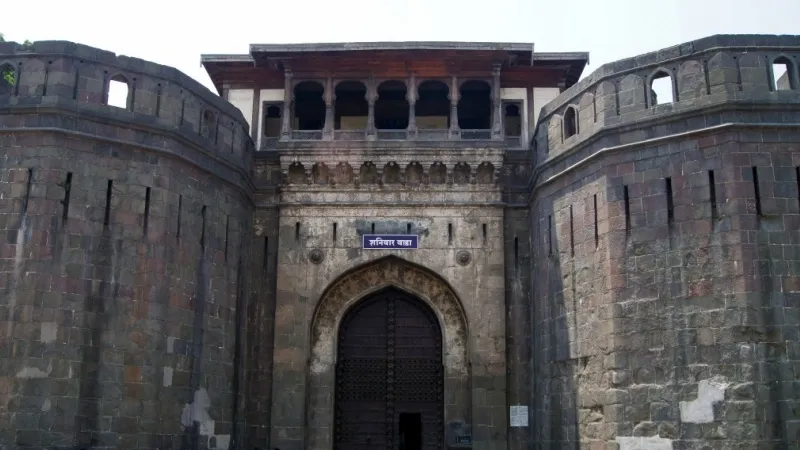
288	107
411	96
372	97
454	96
330	97
497	120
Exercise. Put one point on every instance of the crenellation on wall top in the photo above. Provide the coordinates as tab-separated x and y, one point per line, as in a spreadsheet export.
153	95
703	73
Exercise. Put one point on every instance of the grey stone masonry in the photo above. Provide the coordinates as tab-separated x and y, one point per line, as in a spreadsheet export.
665	240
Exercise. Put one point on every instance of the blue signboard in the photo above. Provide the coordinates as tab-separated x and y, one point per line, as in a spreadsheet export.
390	241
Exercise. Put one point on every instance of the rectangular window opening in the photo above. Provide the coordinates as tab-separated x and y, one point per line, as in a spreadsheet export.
297	231
484	234
335	225
781	75
449	233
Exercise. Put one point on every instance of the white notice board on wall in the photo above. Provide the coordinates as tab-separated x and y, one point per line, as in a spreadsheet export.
518	415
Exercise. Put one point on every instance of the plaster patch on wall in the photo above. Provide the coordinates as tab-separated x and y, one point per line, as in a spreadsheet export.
644	443
170	344
197	411
48	332
701	410
167	379
35	372
46	405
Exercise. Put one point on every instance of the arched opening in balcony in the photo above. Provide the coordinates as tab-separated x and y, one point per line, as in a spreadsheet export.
350	107
433	109
309	107
475	106
391	109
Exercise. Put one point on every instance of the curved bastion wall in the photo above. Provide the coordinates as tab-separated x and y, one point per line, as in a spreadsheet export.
666	252
124	254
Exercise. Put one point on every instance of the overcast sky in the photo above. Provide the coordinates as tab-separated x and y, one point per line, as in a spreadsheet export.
176	32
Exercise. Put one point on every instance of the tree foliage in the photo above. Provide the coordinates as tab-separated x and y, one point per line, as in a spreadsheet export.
8	73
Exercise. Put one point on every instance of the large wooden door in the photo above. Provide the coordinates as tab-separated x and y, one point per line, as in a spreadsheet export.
389	376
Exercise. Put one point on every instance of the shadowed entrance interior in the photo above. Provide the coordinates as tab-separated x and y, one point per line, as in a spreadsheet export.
389	375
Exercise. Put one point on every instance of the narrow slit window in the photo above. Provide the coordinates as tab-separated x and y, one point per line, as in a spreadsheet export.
335	225
107	218
484	234
596	229
227	235
757	191
571	233
146	211
372	227
408	228
67	192
626	199
550	235
297	231
265	261
516	252
158	100
180	207
28	186
712	194
670	204
449	233
203	228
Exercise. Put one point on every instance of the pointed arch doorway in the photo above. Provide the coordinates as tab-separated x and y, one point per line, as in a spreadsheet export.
389	375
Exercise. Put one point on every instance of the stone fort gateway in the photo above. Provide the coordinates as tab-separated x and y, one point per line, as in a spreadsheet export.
417	245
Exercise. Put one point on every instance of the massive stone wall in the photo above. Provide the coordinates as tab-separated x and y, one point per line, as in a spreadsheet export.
125	255
665	246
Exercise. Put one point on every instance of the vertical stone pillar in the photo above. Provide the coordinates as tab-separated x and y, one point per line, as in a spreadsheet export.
411	96
372	97
330	97
288	100
455	132
497	119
